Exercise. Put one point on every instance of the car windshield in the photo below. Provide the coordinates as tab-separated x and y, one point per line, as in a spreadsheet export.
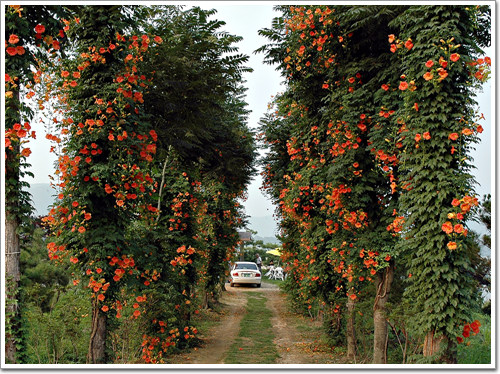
246	266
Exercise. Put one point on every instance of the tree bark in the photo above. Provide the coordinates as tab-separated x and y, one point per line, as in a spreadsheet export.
162	182
97	344
351	332
12	246
13	275
336	322
383	284
433	344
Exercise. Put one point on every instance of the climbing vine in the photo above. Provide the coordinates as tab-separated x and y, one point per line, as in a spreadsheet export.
364	141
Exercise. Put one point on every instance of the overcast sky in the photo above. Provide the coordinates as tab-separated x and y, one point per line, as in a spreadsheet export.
263	83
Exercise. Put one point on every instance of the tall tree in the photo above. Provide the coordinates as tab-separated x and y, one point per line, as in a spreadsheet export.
102	171
348	127
334	89
437	88
33	33
205	155
199	108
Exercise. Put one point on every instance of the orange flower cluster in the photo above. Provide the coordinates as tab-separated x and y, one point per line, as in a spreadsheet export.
353	220
124	263
397	225
293	152
181	260
344	138
16	134
481	68
440	71
62	217
155	347
10	46
150	276
56	252
455	230
49	40
388	160
371	261
398	44
306	22
474	326
99	285
16	9
179	203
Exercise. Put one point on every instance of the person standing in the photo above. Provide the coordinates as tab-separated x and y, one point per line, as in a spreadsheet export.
258	261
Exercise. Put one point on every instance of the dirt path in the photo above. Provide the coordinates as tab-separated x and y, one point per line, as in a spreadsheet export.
218	340
294	347
297	346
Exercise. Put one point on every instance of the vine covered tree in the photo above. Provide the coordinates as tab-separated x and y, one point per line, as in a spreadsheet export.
108	146
137	173
34	33
442	72
354	167
369	163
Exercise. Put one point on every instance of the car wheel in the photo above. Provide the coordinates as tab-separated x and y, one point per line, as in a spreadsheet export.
232	284
258	285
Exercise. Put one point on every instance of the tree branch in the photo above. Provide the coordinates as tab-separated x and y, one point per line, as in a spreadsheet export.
162	182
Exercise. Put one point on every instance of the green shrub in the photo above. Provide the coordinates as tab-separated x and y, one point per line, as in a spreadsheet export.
61	335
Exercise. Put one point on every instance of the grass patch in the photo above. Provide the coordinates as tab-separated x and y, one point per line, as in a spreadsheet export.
277	282
254	344
304	325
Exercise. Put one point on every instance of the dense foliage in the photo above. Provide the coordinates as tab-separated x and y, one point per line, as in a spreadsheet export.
29	44
369	159
149	126
369	164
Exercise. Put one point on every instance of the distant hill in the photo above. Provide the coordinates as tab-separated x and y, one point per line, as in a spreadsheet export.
267	239
42	196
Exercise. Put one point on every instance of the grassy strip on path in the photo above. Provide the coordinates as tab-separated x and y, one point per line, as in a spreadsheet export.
254	344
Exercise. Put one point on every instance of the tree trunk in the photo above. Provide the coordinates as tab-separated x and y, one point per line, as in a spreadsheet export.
242	250
351	333
204	304
12	247
336	322
97	345
13	275
431	344
383	284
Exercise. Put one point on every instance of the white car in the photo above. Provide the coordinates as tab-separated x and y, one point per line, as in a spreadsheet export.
245	273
